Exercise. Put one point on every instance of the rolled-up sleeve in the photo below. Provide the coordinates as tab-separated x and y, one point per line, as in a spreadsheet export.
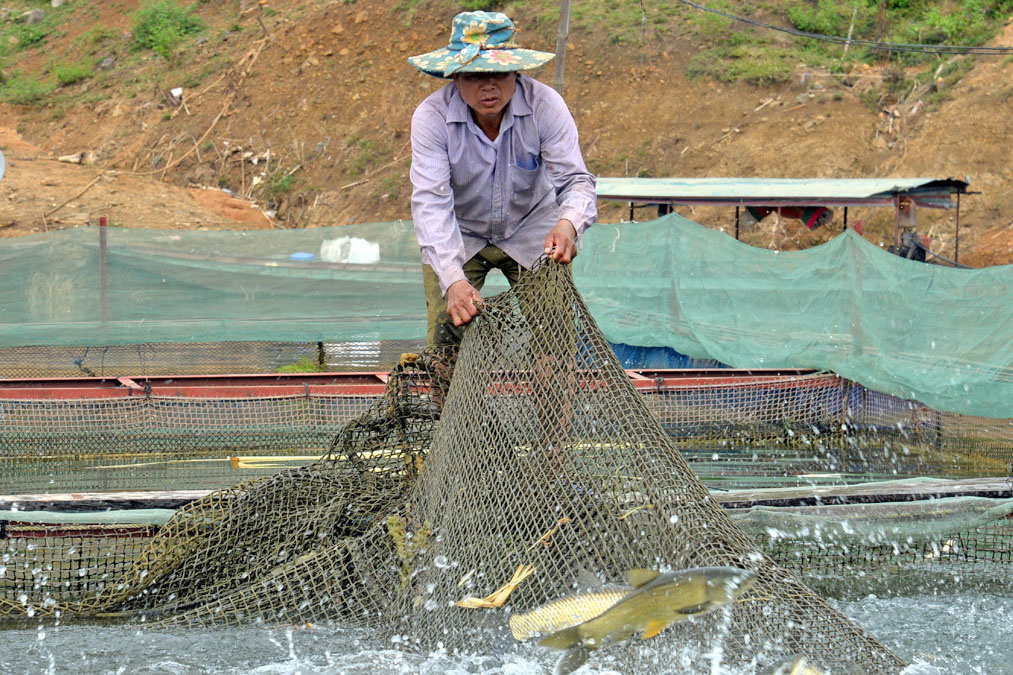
433	199
575	186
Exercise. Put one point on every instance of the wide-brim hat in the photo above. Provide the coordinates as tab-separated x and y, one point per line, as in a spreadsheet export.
480	42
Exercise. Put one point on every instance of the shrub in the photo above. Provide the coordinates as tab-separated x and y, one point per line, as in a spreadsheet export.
69	74
24	90
479	5
161	26
279	184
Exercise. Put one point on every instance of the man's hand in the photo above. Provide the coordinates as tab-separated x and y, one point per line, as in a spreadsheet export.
561	244
462	299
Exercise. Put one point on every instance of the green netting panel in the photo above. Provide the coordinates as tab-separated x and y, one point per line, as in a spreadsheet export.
938	335
167	286
541	453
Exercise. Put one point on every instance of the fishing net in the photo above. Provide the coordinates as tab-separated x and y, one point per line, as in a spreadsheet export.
537	463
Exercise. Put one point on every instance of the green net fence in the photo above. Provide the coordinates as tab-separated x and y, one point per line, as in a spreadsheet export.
915	331
540	455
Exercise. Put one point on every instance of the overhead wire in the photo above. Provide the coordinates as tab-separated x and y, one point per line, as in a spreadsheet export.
870	44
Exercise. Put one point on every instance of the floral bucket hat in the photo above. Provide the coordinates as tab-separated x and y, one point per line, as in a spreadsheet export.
480	42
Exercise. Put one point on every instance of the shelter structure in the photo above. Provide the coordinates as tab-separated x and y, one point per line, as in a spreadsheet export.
903	194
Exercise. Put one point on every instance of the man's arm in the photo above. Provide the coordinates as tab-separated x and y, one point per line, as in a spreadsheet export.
433	214
575	186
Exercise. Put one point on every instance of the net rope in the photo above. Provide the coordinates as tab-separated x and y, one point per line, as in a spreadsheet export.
538	452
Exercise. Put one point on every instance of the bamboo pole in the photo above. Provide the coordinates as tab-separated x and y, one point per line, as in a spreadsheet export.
564	33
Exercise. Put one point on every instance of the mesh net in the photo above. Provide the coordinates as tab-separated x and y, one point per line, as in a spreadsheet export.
201	358
741	431
544	456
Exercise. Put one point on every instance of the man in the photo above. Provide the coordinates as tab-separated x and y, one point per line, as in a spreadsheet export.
497	174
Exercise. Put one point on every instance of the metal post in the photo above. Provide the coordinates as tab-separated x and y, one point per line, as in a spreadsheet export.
845	217
956	238
896	221
564	33
103	280
736	223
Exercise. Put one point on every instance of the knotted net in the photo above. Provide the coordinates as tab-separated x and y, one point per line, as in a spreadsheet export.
539	456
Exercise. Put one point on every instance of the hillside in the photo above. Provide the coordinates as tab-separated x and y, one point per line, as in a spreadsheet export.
304	108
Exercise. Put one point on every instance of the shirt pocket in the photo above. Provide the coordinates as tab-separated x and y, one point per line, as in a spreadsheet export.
528	162
525	176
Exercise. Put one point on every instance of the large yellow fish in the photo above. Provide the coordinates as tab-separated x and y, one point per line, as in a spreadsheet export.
589	620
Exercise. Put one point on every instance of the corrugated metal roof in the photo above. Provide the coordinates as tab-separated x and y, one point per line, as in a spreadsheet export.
781	191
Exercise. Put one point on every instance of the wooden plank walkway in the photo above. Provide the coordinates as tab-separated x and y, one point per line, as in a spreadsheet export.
892	491
866	493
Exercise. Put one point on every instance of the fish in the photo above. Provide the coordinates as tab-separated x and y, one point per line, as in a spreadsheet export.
565	612
651	602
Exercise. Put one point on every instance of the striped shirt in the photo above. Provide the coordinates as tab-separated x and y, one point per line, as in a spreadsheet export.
469	192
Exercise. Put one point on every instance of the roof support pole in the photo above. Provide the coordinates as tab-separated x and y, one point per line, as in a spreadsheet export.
103	278
956	237
736	223
846	214
561	36
896	221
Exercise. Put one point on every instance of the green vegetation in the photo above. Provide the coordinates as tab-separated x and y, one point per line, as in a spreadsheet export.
951	22
67	74
366	154
303	365
22	89
480	5
279	184
16	34
162	26
755	64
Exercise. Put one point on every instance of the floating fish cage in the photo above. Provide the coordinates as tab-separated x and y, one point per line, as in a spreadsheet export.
737	429
749	436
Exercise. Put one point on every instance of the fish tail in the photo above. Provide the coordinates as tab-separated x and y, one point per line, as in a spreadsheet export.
573	659
562	639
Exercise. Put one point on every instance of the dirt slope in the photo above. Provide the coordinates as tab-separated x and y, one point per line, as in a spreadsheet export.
308	114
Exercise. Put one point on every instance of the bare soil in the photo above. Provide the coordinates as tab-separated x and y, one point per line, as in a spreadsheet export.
307	117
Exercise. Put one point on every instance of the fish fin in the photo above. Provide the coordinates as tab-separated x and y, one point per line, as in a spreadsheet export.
640	577
562	639
702	608
653	628
571	660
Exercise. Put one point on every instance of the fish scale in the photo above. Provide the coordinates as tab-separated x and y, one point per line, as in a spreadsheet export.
565	612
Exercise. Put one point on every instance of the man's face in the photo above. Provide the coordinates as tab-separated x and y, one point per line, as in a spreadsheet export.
486	93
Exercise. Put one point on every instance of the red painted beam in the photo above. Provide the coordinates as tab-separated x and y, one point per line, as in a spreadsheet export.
197	386
349	384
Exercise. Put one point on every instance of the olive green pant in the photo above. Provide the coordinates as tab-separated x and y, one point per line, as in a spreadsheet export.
442	332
